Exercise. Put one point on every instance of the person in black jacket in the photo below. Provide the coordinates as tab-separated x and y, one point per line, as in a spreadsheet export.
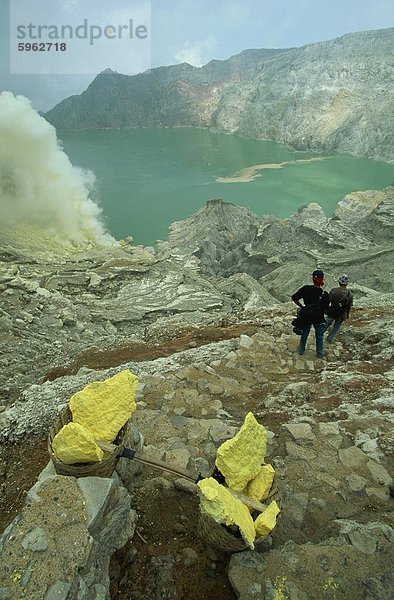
318	301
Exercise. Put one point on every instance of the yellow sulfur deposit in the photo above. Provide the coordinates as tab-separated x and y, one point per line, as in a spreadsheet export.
259	487
239	459
266	522
103	407
75	444
219	504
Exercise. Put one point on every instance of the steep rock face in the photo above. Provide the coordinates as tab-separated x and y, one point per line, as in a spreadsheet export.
331	96
178	95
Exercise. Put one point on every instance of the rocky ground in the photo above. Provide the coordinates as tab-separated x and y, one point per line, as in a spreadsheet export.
201	370
331	444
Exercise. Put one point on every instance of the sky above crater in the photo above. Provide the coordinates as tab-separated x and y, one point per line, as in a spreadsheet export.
177	31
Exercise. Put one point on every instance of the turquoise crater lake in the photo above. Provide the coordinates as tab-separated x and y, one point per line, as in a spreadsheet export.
149	178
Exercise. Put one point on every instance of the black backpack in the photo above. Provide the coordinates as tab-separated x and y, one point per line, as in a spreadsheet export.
298	326
339	308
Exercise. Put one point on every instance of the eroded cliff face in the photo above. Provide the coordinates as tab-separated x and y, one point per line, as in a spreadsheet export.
330	96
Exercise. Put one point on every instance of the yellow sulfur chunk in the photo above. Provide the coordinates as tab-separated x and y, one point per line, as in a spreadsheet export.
259	487
218	503
266	521
239	459
103	407
75	444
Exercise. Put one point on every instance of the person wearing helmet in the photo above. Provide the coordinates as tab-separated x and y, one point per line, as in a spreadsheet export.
341	302
317	302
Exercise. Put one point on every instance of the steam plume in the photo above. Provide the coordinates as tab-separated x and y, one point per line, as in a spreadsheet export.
38	184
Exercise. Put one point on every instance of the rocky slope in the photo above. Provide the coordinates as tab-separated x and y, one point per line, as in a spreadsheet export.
215	269
330	425
330	96
201	321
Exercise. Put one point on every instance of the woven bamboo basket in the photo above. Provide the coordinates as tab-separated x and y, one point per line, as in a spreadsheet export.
105	468
219	537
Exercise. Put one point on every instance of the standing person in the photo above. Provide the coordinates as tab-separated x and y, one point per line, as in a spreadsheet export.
341	302
313	295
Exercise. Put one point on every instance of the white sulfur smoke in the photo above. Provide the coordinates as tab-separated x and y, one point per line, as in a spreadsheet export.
38	184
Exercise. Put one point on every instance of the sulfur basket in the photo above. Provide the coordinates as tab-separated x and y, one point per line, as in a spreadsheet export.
105	468
217	536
